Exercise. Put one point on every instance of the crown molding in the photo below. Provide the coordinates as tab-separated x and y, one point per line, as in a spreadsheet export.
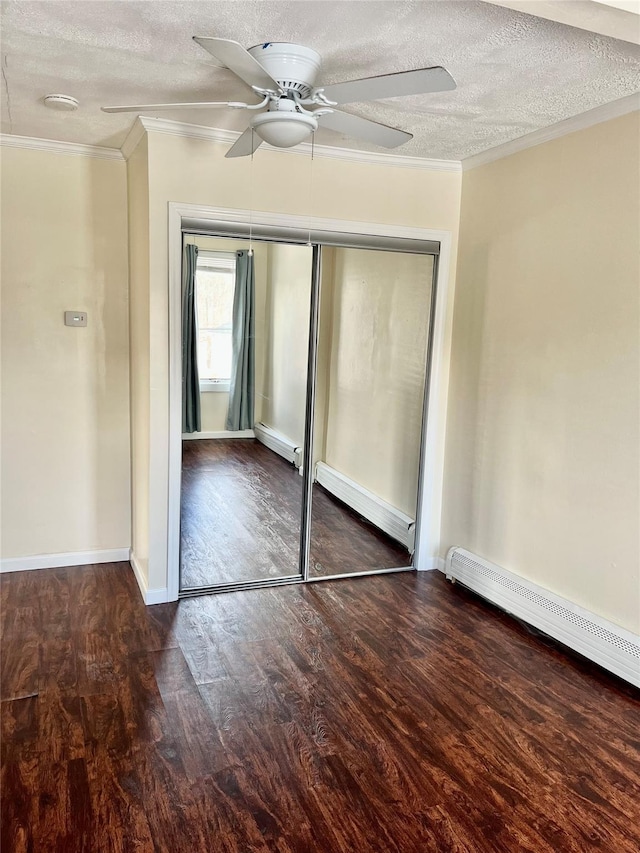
34	144
144	124
612	110
228	137
134	137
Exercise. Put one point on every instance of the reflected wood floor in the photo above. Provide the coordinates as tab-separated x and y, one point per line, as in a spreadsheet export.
393	714
240	519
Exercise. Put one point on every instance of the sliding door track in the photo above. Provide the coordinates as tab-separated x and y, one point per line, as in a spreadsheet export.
192	592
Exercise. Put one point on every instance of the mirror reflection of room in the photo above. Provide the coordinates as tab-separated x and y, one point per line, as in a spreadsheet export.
245	332
372	354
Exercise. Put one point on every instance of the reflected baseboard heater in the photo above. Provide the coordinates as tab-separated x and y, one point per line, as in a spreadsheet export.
608	645
279	443
386	517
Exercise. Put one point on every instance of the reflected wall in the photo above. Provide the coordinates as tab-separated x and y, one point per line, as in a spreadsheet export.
372	355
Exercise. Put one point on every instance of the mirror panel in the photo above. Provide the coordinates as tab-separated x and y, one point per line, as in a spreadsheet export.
241	494
372	353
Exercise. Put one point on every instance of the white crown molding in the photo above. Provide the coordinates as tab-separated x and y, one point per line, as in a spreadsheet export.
612	110
55	145
143	124
134	137
228	137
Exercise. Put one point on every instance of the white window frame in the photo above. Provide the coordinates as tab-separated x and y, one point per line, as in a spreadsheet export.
215	386
215	262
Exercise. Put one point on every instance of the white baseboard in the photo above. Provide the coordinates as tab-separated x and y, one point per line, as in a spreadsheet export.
592	636
70	558
279	443
156	595
435	563
386	517
221	433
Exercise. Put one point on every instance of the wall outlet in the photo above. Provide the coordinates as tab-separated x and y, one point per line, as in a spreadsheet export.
75	318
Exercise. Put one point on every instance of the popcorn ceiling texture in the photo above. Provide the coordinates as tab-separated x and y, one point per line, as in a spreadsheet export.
515	73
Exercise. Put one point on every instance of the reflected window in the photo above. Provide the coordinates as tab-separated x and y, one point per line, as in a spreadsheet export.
215	285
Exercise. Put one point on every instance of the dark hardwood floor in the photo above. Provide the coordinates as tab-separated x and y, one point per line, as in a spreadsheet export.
240	520
392	714
342	542
240	513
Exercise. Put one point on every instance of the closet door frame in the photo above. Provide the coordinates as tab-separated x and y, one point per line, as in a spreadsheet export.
225	222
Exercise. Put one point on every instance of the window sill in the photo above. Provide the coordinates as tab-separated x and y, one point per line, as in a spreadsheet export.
214	386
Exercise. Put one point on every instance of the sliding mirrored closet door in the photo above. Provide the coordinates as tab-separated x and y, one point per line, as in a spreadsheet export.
245	332
371	368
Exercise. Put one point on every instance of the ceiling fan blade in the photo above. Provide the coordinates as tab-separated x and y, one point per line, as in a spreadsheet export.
419	82
234	57
245	144
203	105
364	128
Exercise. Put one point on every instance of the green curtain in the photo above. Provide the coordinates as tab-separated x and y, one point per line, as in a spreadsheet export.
241	391
190	380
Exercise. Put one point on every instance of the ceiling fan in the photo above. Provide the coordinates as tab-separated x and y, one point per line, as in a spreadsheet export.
292	107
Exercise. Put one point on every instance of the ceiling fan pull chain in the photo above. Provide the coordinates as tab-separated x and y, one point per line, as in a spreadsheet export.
251	197
313	142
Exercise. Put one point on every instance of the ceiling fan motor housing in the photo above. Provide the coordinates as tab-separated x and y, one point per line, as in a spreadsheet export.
293	66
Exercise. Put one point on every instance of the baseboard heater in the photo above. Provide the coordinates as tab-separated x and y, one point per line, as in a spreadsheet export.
221	433
385	516
279	443
608	645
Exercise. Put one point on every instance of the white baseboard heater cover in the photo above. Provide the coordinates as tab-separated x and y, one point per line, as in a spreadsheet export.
279	443
221	433
385	516
608	645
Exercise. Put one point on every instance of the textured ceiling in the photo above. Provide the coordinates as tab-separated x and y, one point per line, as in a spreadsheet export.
515	73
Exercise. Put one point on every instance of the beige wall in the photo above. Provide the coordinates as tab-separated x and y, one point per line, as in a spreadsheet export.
543	435
65	414
543	440
287	332
378	340
324	355
195	171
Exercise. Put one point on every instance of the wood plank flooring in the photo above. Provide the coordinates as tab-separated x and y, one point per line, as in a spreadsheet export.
393	714
240	520
240	513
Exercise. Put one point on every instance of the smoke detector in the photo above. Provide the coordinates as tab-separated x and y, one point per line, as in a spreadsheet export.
62	103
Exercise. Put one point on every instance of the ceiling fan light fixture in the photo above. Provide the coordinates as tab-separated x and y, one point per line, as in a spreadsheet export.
283	129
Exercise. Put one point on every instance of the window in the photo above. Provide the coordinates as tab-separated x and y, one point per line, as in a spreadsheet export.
215	285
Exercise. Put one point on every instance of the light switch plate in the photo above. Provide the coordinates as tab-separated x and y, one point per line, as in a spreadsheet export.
75	318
